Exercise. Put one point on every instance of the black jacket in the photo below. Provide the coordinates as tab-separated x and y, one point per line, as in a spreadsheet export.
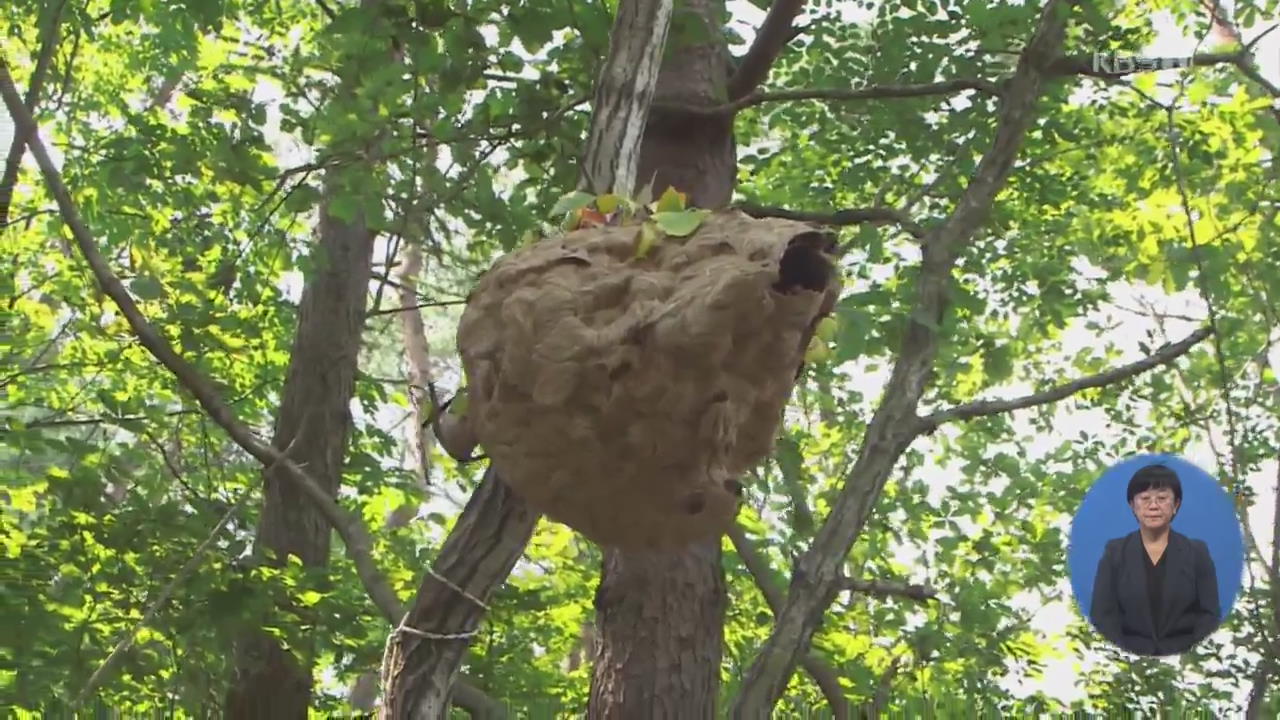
1121	607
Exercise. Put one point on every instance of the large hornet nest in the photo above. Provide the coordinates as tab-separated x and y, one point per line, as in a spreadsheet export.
623	391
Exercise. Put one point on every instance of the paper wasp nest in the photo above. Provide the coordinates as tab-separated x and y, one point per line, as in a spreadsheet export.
624	397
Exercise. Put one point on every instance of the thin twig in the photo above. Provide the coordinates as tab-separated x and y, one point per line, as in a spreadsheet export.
435	303
771	37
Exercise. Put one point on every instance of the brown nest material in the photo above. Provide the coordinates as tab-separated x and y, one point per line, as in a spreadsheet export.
624	397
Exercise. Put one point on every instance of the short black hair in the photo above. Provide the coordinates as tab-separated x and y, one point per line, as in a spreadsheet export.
1155	477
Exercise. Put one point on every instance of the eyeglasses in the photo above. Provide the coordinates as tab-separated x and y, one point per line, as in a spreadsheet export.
1153	499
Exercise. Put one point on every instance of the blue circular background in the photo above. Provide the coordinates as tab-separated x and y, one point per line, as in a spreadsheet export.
1207	513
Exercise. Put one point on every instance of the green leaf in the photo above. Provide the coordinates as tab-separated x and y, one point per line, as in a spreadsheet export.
145	287
682	223
647	235
791	463
344	206
998	363
459	404
671	201
826	329
607	203
302	198
817	351
569	202
852	333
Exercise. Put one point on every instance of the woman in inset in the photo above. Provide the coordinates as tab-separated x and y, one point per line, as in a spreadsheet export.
1156	591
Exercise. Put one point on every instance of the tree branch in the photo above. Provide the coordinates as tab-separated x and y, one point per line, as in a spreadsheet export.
1099	66
816	579
624	93
469	696
1244	62
884	688
870	92
414	306
773	35
1254	42
826	677
890	588
982	408
13	161
417	354
851	216
328	11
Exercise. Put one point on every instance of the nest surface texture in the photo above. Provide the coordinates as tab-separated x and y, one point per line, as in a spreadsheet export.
624	397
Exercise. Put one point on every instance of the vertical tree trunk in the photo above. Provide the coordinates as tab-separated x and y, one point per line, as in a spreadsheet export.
417	353
313	426
315	422
1261	688
421	661
661	620
661	616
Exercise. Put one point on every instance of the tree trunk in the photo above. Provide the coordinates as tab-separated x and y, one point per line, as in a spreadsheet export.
313	427
661	620
1262	679
661	616
417	354
314	423
419	666
422	660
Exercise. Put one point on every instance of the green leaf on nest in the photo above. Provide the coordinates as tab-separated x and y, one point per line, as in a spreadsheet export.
682	223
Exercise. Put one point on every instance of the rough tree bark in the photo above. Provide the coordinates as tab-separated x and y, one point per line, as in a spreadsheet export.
661	634
315	423
423	658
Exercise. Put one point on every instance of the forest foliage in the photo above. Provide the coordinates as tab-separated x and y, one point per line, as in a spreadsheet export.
193	136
